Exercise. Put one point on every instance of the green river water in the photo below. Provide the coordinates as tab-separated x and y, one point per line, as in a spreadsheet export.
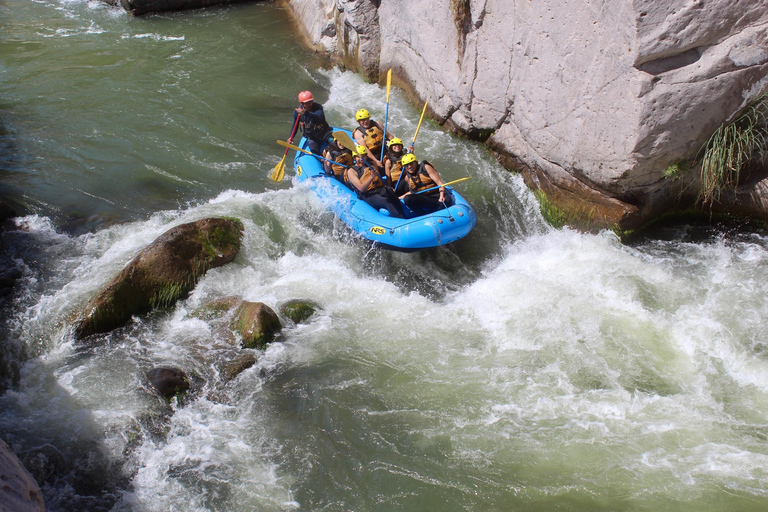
522	368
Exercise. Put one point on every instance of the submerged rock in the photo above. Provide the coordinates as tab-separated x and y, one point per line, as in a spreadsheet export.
140	7
169	382
217	308
163	273
298	310
233	368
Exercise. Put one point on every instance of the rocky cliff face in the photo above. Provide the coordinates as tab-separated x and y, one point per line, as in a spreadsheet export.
592	100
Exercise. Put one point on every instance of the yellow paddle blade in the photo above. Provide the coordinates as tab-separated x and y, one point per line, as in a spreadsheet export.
345	140
279	171
389	83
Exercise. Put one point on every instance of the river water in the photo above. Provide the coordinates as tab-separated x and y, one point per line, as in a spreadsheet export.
521	368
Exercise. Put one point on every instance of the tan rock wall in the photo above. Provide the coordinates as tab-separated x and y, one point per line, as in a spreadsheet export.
19	492
606	93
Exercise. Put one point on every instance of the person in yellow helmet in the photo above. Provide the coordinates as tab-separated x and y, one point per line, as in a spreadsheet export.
365	179
422	176
313	124
370	133
393	168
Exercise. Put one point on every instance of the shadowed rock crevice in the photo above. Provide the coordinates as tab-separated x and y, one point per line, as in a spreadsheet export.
665	64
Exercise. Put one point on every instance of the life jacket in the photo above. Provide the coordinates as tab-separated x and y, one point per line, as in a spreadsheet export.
311	126
373	137
421	180
342	156
363	173
395	168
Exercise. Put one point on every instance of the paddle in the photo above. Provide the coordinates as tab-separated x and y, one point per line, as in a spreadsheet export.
345	140
348	143
423	111
279	171
386	116
418	127
297	148
443	185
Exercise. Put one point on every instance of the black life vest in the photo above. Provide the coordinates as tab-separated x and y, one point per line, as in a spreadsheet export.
311	126
395	167
342	156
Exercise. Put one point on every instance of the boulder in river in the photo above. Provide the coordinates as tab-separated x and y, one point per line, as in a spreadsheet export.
169	382
162	273
257	323
233	368
298	310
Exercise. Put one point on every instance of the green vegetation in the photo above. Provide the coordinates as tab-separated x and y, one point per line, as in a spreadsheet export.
298	310
168	293
551	213
557	216
676	170
731	148
221	238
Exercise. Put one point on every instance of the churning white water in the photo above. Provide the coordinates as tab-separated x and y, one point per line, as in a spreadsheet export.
569	371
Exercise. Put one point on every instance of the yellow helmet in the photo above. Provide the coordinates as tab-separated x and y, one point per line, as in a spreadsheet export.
407	159
393	142
361	150
362	114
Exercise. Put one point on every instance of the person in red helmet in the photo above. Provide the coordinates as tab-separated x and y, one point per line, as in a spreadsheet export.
313	124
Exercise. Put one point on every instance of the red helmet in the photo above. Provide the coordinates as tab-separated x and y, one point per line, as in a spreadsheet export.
305	96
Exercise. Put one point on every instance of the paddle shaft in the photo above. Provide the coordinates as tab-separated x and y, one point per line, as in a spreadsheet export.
279	170
386	116
418	127
297	148
293	131
443	185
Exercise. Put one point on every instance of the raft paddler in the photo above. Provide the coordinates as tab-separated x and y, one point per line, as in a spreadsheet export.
336	152
364	178
313	124
392	166
370	133
422	176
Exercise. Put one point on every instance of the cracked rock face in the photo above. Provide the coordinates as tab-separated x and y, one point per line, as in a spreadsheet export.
606	93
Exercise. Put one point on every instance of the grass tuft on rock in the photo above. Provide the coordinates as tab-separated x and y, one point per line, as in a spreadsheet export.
731	148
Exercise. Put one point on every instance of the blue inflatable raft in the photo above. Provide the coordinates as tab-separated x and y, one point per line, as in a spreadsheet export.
438	228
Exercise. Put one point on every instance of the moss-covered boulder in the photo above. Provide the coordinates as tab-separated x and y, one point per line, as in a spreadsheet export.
257	323
298	310
164	272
